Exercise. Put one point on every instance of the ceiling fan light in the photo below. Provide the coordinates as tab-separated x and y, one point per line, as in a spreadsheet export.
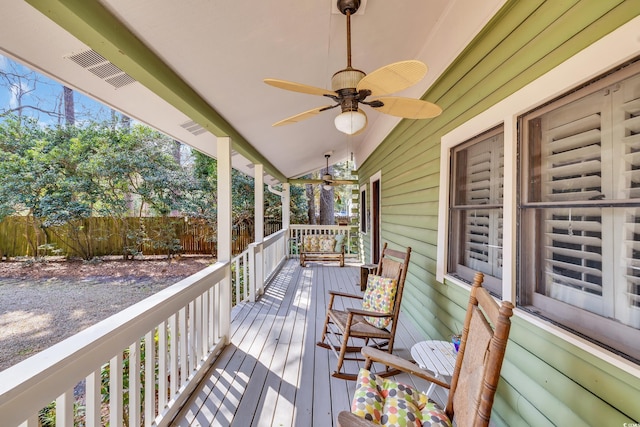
350	122
327	187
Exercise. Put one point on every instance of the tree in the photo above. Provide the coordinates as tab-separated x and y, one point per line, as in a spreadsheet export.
23	86
311	203
327	214
69	106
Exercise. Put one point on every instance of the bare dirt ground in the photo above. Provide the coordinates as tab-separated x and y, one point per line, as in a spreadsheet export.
42	303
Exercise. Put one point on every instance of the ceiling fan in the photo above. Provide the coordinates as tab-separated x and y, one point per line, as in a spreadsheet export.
351	87
327	178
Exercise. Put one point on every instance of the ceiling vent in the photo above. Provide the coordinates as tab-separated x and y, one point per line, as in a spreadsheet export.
193	127
96	64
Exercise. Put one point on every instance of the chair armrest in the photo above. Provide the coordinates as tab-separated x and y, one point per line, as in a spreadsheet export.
345	294
347	419
368	313
375	355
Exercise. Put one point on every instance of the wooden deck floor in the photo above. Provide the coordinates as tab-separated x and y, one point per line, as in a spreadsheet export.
272	373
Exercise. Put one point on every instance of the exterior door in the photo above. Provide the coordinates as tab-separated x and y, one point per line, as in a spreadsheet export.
375	221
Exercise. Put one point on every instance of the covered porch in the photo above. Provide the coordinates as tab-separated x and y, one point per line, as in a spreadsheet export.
197	73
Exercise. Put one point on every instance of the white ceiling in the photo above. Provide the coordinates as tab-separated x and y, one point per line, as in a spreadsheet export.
223	50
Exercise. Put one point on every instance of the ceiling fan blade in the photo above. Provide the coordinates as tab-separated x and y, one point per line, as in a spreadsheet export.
299	87
408	108
301	116
344	182
393	77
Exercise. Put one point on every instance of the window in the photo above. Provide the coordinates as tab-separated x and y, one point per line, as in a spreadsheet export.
475	209
363	209
579	234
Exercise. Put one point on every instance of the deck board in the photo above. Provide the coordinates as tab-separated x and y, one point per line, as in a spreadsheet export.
272	373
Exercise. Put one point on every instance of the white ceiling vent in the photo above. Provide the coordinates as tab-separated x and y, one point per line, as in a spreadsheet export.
193	127
95	63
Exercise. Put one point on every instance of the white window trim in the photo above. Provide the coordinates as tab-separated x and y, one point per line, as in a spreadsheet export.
362	208
373	178
615	48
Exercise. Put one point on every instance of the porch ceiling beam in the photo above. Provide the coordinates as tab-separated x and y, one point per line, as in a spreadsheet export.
320	181
95	26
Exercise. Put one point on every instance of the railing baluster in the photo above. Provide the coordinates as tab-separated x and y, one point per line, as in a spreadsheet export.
134	384
237	280
191	320
93	398
149	378
115	391
246	277
204	324
213	330
64	409
163	384
173	356
184	338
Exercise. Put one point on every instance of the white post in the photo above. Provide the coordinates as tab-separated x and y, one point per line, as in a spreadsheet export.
285	199
224	232
286	205
258	192
250	280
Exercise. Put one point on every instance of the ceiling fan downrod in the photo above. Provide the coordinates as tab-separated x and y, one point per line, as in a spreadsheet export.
348	8
345	81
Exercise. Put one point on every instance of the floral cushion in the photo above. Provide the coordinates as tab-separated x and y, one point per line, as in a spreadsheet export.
339	242
388	403
327	244
311	243
379	296
319	243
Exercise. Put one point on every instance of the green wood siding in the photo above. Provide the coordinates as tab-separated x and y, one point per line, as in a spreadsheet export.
545	380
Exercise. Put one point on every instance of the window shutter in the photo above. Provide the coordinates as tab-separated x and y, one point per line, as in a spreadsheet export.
572	171
629	104
484	184
572	141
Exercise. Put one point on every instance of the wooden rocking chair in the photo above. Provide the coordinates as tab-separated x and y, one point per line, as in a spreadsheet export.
374	324
475	376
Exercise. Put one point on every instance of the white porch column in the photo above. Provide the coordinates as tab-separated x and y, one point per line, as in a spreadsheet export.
286	205
258	196
224	231
258	193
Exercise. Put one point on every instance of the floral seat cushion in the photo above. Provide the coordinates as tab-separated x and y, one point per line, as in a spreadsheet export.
388	403
311	243
379	296
319	243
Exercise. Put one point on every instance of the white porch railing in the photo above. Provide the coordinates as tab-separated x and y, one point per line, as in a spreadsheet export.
176	334
266	257
296	233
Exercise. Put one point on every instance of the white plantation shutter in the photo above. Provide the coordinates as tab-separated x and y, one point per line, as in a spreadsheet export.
586	195
572	149
484	181
571	171
627	110
573	257
477	197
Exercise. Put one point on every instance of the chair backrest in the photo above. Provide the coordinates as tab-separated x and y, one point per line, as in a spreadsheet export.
394	264
482	348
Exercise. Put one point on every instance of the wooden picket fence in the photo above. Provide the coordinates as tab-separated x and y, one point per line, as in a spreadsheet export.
104	236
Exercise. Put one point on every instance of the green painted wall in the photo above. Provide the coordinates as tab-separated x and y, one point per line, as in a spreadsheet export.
545	380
